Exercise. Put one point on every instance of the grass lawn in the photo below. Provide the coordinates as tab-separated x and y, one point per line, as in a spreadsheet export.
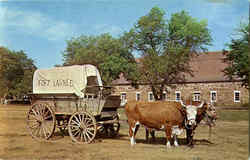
229	141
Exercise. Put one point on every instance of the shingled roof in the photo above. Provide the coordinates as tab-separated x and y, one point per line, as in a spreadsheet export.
207	67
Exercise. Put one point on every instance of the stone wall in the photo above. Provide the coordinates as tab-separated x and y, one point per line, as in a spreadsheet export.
224	92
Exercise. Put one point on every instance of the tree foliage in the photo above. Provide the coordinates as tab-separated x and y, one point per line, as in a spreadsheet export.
166	46
16	72
109	54
238	57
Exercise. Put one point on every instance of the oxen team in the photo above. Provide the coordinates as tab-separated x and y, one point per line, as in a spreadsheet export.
168	116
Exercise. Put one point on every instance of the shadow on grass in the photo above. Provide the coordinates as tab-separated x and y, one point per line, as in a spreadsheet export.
162	141
124	137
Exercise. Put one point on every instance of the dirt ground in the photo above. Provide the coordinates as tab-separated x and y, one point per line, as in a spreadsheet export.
229	140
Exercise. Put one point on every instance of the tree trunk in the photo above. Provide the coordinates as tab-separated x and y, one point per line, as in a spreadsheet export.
157	92
154	91
249	107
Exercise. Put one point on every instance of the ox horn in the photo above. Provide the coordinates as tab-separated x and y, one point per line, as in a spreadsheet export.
123	103
182	104
201	104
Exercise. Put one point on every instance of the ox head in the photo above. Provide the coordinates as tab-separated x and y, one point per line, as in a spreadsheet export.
191	113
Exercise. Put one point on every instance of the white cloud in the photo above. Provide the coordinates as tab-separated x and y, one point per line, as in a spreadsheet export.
2	15
105	28
59	30
221	1
35	23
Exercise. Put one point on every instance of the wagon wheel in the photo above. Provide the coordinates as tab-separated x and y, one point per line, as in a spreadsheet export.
114	127
63	130
110	129
62	125
41	121
82	127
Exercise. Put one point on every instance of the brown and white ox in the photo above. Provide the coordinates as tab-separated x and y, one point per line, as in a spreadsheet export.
207	113
160	115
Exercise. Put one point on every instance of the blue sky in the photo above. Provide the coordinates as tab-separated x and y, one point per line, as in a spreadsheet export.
41	27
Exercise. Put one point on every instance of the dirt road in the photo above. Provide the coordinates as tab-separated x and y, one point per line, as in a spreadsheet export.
229	141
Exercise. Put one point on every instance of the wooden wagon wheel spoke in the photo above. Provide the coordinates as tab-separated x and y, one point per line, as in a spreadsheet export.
90	132
78	122
81	135
76	133
50	116
46	113
74	122
86	133
89	125
36	131
34	126
38	109
40	131
82	127
43	111
81	118
74	125
87	119
41	121
85	138
32	120
93	128
75	129
44	132
33	117
34	112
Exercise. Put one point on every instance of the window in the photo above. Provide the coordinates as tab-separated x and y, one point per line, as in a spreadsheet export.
236	96
213	96
196	96
123	96
138	96
177	96
150	97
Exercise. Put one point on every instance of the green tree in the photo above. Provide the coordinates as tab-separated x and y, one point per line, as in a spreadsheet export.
166	46
109	54
238	56
16	73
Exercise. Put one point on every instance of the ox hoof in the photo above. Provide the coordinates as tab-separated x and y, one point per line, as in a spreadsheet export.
132	144
176	144
168	145
132	141
191	146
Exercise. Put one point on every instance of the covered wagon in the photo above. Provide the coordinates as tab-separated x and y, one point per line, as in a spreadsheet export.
72	98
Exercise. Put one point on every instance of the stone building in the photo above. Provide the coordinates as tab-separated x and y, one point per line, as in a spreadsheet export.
208	83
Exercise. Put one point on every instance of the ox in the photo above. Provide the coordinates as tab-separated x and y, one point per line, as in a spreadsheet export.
160	115
206	113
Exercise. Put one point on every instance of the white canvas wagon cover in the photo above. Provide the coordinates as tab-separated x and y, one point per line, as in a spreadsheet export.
69	79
